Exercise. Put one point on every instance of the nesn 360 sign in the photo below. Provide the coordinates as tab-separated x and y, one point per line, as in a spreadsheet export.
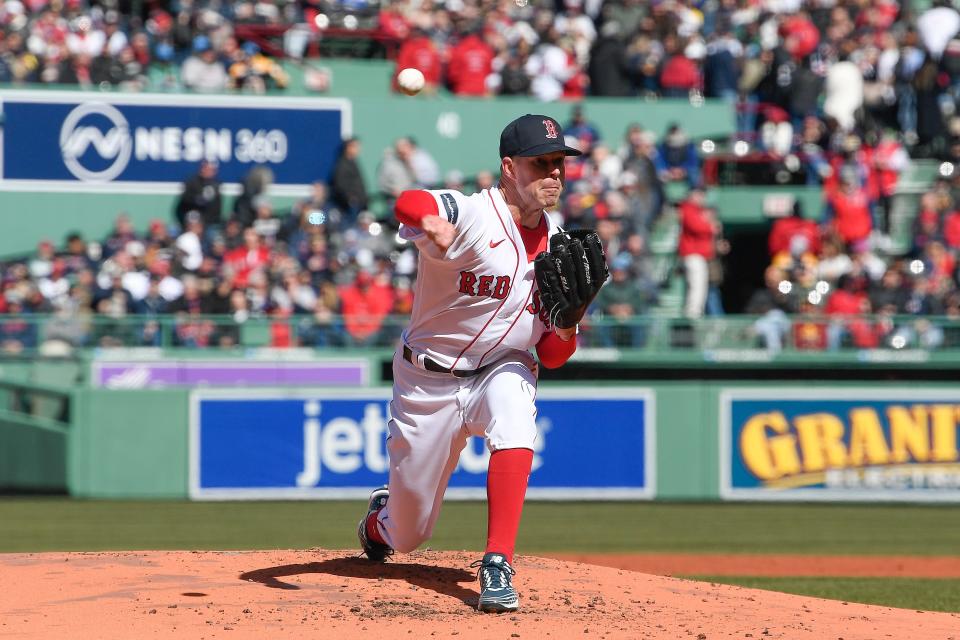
83	141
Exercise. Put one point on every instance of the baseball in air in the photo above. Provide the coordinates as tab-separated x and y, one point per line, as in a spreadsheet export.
410	81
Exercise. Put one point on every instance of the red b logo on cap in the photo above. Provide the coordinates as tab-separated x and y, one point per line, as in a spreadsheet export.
551	128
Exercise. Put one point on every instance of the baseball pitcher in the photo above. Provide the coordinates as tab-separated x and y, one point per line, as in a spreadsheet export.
496	278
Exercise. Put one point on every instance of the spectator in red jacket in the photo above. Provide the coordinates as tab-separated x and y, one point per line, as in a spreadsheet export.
244	260
392	23
679	74
850	299
698	236
951	229
849	210
786	229
420	53
890	159
471	62
364	305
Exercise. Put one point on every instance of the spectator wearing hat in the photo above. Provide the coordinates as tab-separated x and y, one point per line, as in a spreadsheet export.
203	71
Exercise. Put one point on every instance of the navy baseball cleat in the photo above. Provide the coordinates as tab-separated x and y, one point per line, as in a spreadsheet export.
376	551
497	594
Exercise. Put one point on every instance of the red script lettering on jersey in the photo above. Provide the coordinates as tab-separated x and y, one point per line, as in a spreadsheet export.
488	286
537	308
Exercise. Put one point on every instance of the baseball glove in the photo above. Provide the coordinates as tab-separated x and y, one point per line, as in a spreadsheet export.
570	275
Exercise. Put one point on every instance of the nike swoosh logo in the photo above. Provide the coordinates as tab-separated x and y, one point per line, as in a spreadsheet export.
494	245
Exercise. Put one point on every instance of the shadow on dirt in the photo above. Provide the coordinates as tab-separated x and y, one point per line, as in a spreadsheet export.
443	580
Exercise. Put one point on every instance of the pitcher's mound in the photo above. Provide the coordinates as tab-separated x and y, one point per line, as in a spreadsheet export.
336	595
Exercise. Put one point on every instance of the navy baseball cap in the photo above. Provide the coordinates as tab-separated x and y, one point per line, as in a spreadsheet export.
533	135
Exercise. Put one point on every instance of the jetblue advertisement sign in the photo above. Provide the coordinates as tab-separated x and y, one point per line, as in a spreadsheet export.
850	444
593	443
86	141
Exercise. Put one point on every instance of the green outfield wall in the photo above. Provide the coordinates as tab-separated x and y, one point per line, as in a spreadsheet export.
128	444
775	440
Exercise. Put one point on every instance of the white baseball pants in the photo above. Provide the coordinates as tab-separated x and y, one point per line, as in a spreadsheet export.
432	415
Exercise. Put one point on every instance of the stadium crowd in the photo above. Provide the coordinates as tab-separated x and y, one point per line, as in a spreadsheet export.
842	94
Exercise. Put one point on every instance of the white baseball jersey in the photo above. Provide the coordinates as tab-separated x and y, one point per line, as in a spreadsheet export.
475	305
477	302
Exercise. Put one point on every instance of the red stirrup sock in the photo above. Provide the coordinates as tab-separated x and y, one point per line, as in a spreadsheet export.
373	531
506	487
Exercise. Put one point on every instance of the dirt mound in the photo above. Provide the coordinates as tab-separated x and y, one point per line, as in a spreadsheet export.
333	594
716	564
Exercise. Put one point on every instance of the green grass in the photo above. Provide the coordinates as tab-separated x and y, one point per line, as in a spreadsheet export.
50	524
907	593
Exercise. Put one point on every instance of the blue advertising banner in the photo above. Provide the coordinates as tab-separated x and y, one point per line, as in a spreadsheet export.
840	444
256	444
89	141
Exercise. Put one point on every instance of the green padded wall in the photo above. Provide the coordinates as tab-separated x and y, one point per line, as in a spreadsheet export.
128	444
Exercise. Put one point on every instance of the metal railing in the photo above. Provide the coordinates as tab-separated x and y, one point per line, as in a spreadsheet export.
723	336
